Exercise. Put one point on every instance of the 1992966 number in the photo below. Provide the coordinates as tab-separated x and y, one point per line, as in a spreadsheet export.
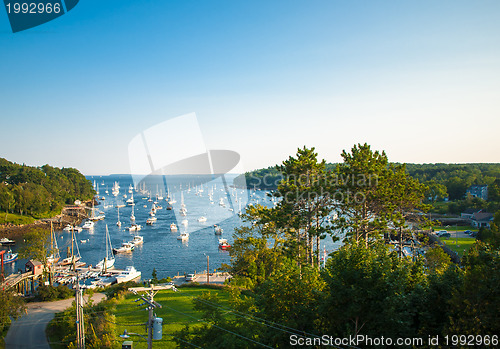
32	8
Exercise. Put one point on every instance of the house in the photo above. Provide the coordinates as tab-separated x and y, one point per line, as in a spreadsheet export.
478	191
467	214
34	266
481	219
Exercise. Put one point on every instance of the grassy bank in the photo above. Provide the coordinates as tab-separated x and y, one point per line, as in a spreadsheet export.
16	219
106	321
460	245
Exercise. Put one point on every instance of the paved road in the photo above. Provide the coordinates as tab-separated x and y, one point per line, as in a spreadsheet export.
29	330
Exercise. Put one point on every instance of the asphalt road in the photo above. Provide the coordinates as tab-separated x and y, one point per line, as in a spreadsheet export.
29	330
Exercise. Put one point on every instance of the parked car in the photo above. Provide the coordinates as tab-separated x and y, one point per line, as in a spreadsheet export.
441	232
473	234
445	235
468	232
189	277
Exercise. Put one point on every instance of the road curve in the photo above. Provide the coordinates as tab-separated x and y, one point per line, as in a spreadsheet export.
29	330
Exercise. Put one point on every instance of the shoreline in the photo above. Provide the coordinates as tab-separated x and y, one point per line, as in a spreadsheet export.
12	231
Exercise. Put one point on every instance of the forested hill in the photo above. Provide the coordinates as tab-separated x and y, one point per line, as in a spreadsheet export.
39	191
444	180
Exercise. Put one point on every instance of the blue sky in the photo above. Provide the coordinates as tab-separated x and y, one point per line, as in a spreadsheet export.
418	79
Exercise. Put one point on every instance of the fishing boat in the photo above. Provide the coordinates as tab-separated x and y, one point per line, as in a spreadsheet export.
134	227
9	257
151	220
173	227
124	248
138	240
202	219
109	260
183	236
70	227
223	244
218	229
6	242
88	225
129	274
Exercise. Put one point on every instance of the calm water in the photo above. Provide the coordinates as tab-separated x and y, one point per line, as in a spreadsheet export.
161	249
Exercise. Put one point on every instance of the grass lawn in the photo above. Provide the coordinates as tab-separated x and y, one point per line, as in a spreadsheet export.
177	307
459	245
454	228
15	218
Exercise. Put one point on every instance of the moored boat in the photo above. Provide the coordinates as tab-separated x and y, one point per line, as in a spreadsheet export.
9	257
6	242
129	274
124	248
223	244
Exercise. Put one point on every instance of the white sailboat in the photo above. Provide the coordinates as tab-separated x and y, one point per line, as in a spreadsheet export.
118	223
183	210
109	260
72	258
54	249
132	216
130	201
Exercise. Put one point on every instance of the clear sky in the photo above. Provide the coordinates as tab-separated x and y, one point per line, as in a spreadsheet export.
418	79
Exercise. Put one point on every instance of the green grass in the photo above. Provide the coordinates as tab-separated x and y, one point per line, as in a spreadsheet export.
460	245
454	228
16	219
177	307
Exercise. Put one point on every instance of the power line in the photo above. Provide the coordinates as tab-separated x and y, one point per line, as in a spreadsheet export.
249	317
236	334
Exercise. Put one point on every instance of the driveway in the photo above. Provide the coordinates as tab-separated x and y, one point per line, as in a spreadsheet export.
29	330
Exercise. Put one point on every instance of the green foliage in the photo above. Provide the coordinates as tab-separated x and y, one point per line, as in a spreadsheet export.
491	235
99	326
436	260
38	191
11	306
375	290
36	245
50	293
475	305
154	276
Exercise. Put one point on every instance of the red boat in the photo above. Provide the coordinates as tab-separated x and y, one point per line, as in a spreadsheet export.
223	244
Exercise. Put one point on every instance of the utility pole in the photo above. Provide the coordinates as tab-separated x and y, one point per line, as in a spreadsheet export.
151	305
80	330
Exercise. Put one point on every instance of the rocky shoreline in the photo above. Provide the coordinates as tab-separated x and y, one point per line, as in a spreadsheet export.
66	217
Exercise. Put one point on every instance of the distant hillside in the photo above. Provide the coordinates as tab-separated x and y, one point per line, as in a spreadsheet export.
40	191
444	180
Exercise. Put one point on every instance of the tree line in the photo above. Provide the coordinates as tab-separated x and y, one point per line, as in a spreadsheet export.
444	182
281	294
39	191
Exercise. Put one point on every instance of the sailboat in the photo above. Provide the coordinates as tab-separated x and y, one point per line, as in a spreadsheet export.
133	226
109	260
130	201
183	210
54	249
119	223
72	258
